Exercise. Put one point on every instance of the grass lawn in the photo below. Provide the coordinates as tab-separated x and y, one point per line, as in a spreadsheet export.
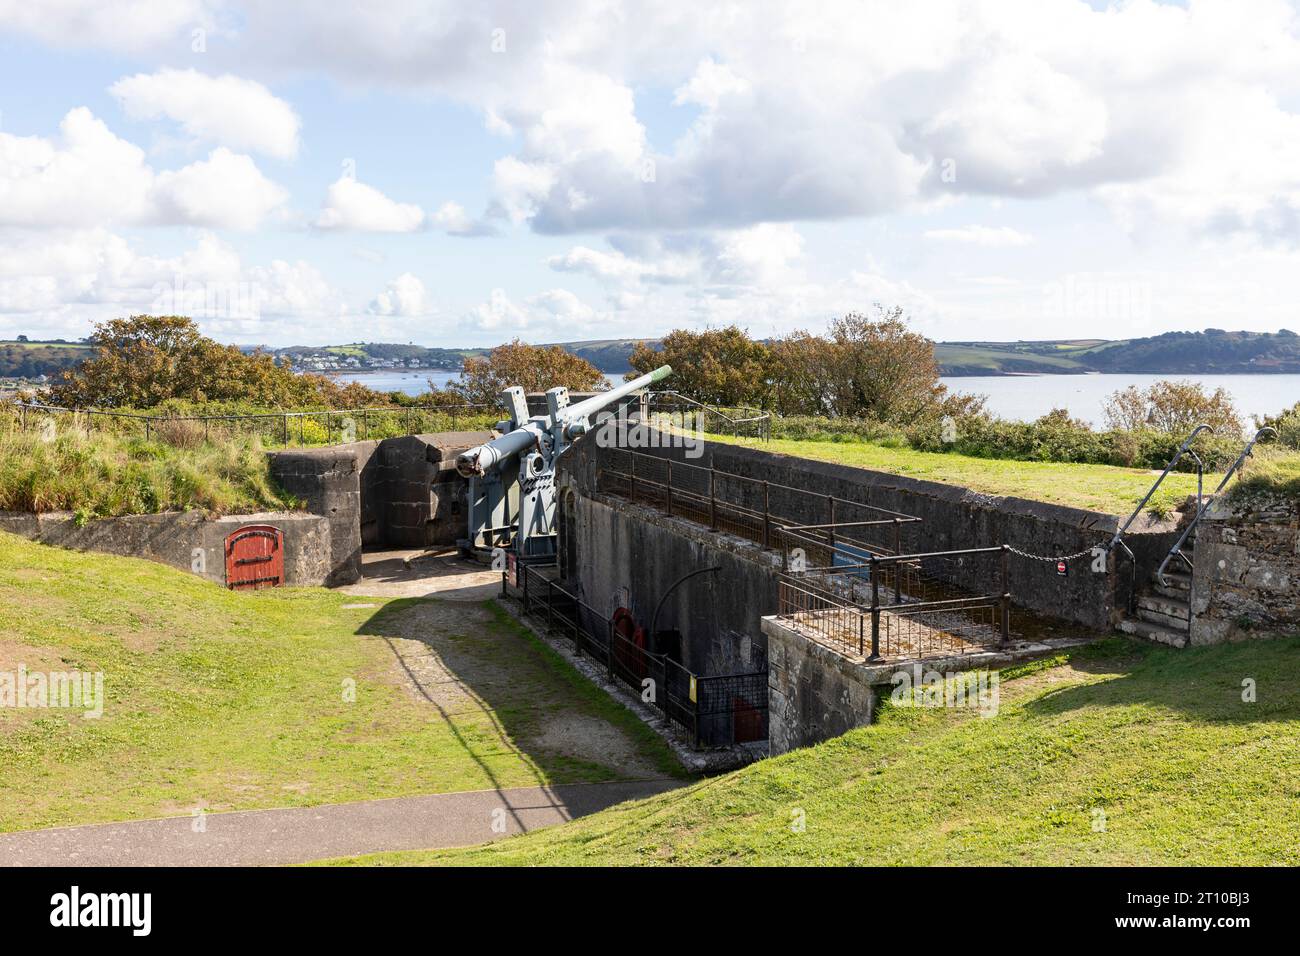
237	701
1122	753
1104	488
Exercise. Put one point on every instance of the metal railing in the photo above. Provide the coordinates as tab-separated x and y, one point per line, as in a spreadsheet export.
716	710
710	419
286	428
1184	449
902	607
828	529
1203	505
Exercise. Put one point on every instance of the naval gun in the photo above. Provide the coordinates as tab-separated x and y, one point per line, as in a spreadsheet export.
512	478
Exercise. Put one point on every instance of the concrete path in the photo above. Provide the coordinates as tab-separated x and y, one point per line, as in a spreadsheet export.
440	573
299	835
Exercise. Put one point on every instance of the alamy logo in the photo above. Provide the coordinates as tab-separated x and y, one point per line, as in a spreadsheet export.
69	690
75	908
980	691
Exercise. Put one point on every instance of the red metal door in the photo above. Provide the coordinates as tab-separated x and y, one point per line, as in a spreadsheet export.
255	557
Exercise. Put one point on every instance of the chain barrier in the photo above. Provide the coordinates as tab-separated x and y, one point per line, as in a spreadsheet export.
1086	552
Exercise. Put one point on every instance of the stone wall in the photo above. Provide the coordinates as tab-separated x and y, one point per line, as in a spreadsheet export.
173	537
1246	582
813	694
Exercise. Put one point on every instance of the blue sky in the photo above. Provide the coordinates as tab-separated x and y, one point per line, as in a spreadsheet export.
460	175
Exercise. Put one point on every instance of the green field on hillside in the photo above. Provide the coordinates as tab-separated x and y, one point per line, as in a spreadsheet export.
1104	488
1120	754
232	701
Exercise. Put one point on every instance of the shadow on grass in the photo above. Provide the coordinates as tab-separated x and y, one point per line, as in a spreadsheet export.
510	702
1212	684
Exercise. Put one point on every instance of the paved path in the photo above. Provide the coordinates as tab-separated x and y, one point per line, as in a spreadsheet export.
301	834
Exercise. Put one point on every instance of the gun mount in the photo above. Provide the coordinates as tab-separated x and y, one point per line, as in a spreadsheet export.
512	478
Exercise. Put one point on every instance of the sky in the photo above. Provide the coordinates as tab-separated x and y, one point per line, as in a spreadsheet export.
455	174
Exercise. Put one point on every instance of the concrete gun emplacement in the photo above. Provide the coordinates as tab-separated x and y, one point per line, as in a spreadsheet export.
512	500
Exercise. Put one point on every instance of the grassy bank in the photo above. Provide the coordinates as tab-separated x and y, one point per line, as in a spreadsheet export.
237	701
1105	488
1122	754
100	474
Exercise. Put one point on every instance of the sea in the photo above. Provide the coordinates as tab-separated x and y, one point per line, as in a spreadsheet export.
1017	397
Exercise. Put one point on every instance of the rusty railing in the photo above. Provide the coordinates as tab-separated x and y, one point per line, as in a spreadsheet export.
903	607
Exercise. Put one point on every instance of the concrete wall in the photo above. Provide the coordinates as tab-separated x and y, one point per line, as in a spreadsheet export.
630	556
400	492
1246	582
172	538
952	518
813	694
423	497
330	482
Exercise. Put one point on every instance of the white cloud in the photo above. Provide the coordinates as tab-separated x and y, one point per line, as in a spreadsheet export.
226	110
128	26
404	296
842	110
452	219
90	177
225	190
982	236
352	205
563	305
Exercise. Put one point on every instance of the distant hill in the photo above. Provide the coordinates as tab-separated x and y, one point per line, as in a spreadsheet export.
1213	351
31	360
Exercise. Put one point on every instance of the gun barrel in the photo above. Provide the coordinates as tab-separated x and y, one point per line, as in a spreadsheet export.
481	459
594	404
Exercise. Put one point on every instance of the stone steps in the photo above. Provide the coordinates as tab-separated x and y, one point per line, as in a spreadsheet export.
1175	609
1154	632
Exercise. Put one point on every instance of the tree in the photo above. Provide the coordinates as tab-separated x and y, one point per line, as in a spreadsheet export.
146	360
1174	407
534	368
717	366
880	369
1286	423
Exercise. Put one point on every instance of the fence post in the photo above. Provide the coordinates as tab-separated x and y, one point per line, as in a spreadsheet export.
1006	596
713	502
284	422
550	603
528	607
147	430
875	609
767	517
668	488
609	650
632	476
830	531
503	582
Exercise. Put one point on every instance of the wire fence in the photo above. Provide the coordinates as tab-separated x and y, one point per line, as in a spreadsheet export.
275	429
675	410
712	711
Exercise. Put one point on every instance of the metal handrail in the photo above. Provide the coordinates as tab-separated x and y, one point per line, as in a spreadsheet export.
1183	449
1203	505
